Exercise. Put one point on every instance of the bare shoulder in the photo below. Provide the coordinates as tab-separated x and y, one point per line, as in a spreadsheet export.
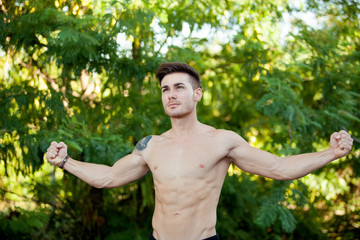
229	139
145	143
228	135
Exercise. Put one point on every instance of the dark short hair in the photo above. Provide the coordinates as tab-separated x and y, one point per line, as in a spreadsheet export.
174	67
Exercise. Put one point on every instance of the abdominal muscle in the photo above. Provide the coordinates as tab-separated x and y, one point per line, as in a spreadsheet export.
185	208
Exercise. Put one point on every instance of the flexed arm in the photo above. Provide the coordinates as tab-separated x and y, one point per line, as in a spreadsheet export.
124	171
260	162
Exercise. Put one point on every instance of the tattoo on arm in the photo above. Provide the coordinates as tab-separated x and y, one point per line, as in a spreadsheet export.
142	144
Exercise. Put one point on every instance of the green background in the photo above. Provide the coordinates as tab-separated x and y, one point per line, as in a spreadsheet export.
283	74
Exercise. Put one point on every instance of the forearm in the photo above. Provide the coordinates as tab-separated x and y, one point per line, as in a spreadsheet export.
297	166
124	171
257	161
96	175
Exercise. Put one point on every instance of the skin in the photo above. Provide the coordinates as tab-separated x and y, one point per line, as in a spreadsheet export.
189	163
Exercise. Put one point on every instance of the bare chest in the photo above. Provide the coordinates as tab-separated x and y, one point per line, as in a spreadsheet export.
185	160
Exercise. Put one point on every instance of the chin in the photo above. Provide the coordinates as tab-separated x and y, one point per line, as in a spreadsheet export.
177	114
173	114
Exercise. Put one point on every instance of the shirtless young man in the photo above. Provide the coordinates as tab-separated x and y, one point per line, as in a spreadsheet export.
189	162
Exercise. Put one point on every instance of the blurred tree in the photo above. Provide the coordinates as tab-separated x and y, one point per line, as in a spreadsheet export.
82	72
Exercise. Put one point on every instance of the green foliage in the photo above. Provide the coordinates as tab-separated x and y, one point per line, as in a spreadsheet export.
22	224
82	72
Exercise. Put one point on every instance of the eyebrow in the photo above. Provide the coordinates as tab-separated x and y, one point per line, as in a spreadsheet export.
178	84
175	84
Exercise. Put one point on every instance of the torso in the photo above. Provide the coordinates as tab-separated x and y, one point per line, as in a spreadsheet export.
188	176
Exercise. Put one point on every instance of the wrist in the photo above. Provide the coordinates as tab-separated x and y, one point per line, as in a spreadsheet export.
331	153
62	164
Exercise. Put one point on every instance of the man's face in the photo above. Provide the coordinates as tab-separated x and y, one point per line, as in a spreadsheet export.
178	97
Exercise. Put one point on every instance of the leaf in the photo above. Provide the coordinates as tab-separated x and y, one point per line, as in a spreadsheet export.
349	115
288	222
266	216
74	145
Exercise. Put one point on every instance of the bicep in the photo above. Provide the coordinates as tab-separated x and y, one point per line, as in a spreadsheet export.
128	169
254	160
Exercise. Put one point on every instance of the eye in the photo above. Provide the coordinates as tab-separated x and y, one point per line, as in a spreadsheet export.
165	90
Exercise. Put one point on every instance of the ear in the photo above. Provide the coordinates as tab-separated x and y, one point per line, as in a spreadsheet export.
197	94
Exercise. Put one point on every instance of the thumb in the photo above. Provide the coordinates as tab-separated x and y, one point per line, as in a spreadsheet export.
335	136
62	149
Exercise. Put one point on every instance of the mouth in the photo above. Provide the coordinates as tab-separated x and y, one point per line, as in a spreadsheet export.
173	104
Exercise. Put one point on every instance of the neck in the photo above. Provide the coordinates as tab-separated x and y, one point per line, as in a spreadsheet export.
184	126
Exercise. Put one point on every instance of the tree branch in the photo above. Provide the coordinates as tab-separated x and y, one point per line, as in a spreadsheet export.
49	79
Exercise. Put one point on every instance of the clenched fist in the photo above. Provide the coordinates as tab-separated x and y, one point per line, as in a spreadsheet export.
56	153
341	143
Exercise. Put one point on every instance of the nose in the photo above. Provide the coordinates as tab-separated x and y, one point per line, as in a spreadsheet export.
171	95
